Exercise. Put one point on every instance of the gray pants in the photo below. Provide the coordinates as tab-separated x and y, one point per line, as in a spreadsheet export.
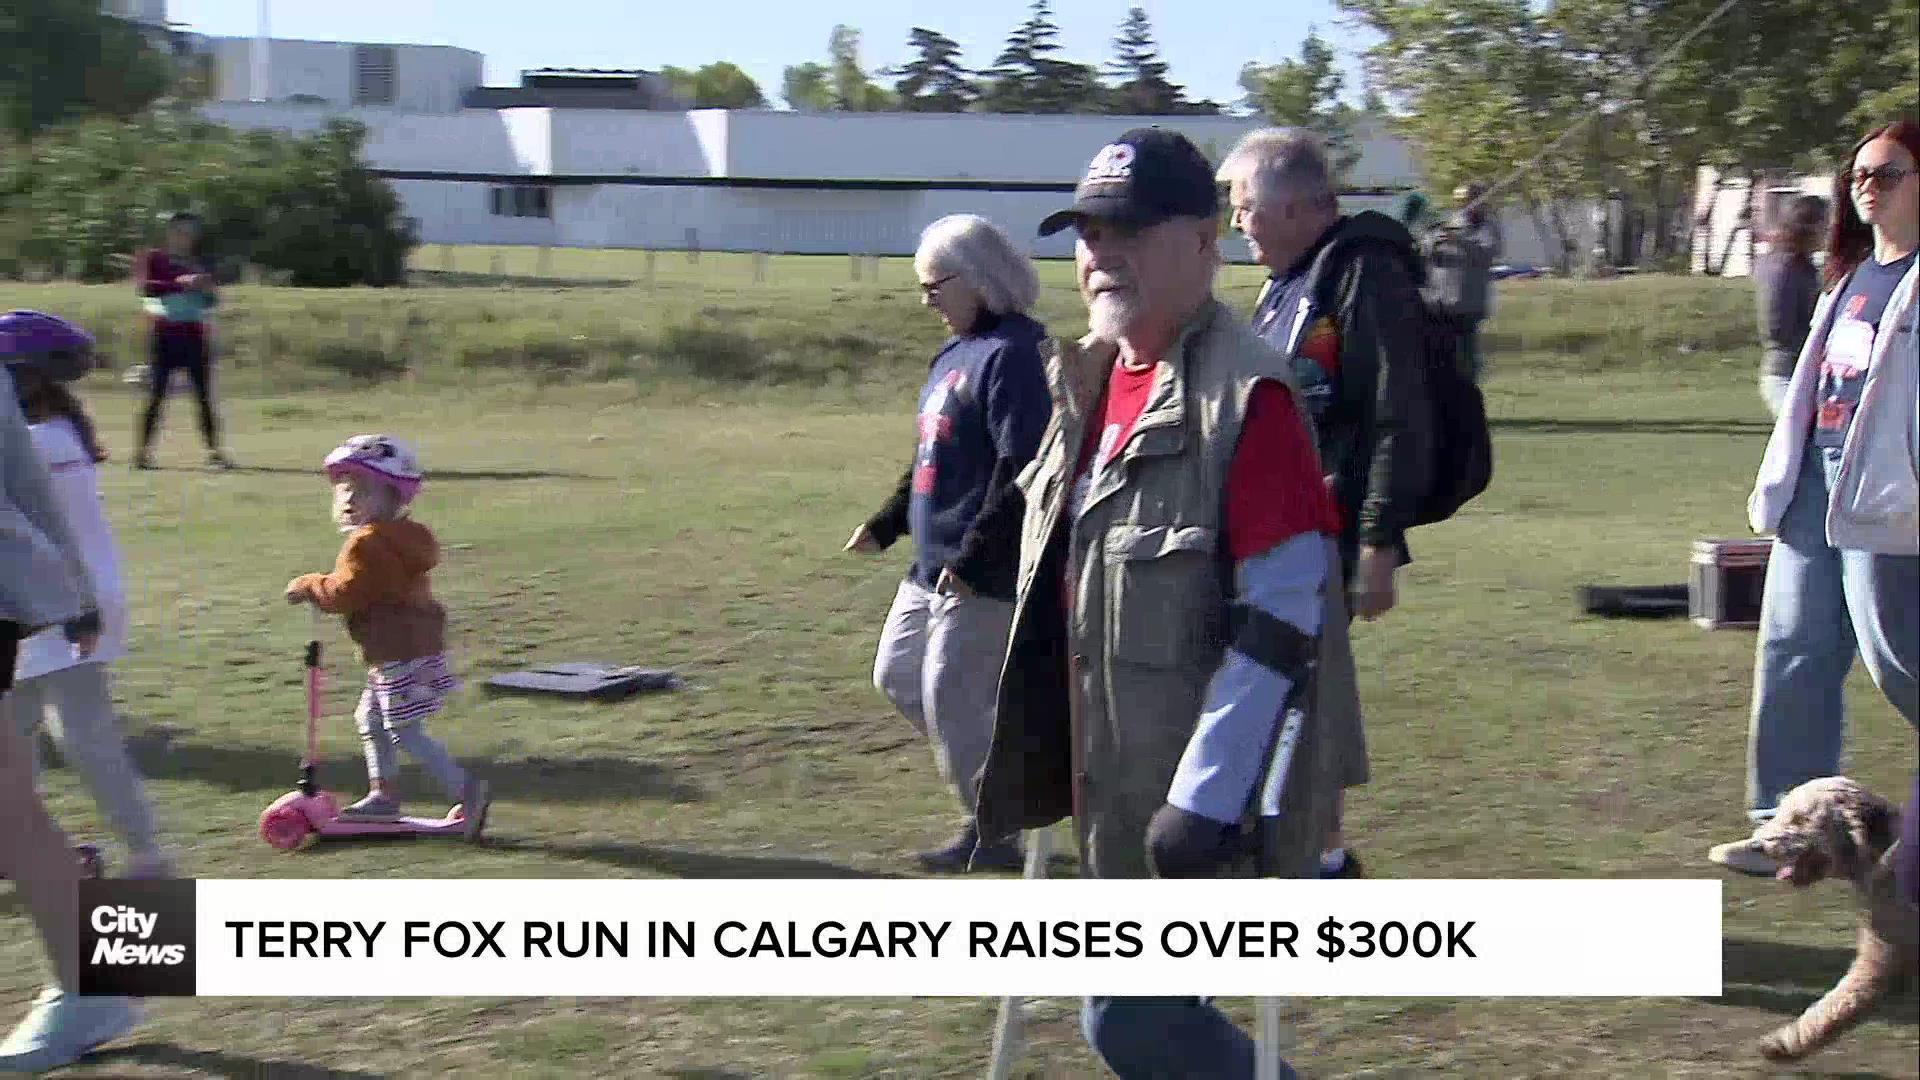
383	739
76	704
939	663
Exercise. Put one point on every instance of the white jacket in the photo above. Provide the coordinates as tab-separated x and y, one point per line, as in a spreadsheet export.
76	490
1875	502
43	579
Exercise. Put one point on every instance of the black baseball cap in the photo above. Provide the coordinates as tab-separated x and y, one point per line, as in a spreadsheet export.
1144	177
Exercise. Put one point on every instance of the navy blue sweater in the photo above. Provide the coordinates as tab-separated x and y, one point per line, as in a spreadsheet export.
981	414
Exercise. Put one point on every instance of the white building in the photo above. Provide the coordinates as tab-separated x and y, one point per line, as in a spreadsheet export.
339	74
610	159
1734	211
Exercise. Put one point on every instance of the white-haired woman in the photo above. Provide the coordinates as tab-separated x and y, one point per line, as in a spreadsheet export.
981	413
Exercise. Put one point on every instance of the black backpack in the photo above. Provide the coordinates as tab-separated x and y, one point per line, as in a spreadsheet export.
1460	456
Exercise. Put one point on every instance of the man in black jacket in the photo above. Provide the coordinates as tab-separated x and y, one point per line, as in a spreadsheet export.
1354	336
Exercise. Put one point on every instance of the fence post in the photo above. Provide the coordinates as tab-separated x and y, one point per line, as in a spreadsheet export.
545	263
853	265
760	268
693	245
650	258
446	258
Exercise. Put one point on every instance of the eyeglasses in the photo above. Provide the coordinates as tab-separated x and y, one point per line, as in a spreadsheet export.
929	289
1887	175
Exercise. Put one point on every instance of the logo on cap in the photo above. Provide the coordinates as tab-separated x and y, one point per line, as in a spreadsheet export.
1113	162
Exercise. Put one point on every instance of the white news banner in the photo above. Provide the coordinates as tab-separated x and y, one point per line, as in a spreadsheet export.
887	938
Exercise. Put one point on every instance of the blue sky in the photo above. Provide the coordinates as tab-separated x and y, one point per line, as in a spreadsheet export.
1205	41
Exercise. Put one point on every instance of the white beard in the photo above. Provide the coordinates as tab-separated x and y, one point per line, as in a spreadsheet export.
1110	316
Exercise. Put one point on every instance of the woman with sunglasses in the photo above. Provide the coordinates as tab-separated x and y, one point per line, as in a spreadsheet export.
982	410
1839	487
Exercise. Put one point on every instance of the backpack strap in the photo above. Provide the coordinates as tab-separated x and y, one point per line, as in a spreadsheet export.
1317	284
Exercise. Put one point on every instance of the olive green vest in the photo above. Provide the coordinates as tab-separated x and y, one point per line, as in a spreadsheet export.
1151	583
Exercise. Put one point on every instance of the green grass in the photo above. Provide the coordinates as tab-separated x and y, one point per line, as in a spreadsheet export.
665	516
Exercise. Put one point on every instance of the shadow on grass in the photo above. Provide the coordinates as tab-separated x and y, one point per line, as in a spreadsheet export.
465	279
214	1063
1551	426
160	756
685	863
1785	978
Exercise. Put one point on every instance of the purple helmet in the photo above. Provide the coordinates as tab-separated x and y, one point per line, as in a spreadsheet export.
57	347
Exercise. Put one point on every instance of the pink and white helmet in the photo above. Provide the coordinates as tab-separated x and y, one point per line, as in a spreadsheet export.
379	457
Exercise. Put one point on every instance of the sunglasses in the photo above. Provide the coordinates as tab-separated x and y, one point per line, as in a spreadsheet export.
929	289
1887	175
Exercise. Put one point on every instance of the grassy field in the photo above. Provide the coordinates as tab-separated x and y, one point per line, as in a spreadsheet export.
674	488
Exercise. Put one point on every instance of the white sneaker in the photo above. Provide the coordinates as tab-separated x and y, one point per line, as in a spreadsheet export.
1744	857
63	1028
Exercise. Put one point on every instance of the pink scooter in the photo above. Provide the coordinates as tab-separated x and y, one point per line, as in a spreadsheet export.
306	815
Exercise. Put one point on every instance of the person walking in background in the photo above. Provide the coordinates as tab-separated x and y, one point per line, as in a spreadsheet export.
981	413
1460	255
1787	288
1358	357
178	294
1839	487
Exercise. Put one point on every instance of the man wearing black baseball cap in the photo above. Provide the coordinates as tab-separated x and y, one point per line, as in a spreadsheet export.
1177	674
1145	177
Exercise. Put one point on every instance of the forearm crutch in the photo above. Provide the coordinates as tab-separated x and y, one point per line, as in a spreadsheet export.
1010	1027
1268	1050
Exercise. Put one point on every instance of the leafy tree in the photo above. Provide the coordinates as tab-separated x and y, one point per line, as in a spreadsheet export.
719	85
935	80
851	89
84	196
1479	88
1141	85
1896	80
63	59
1638	93
1305	93
1027	78
806	88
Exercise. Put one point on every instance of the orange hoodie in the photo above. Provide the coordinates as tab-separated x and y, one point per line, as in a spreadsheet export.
379	582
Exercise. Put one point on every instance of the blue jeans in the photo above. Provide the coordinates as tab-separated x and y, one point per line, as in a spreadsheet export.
1166	1038
1821	605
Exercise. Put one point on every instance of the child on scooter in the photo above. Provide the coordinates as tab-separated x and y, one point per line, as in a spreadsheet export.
379	584
51	683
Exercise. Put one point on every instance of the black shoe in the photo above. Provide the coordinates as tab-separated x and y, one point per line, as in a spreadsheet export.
1005	855
1350	869
953	857
965	848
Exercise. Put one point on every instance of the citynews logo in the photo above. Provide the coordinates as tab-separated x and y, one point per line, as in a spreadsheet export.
118	950
137	938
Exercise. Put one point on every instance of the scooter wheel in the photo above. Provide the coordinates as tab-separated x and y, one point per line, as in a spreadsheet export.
286	829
